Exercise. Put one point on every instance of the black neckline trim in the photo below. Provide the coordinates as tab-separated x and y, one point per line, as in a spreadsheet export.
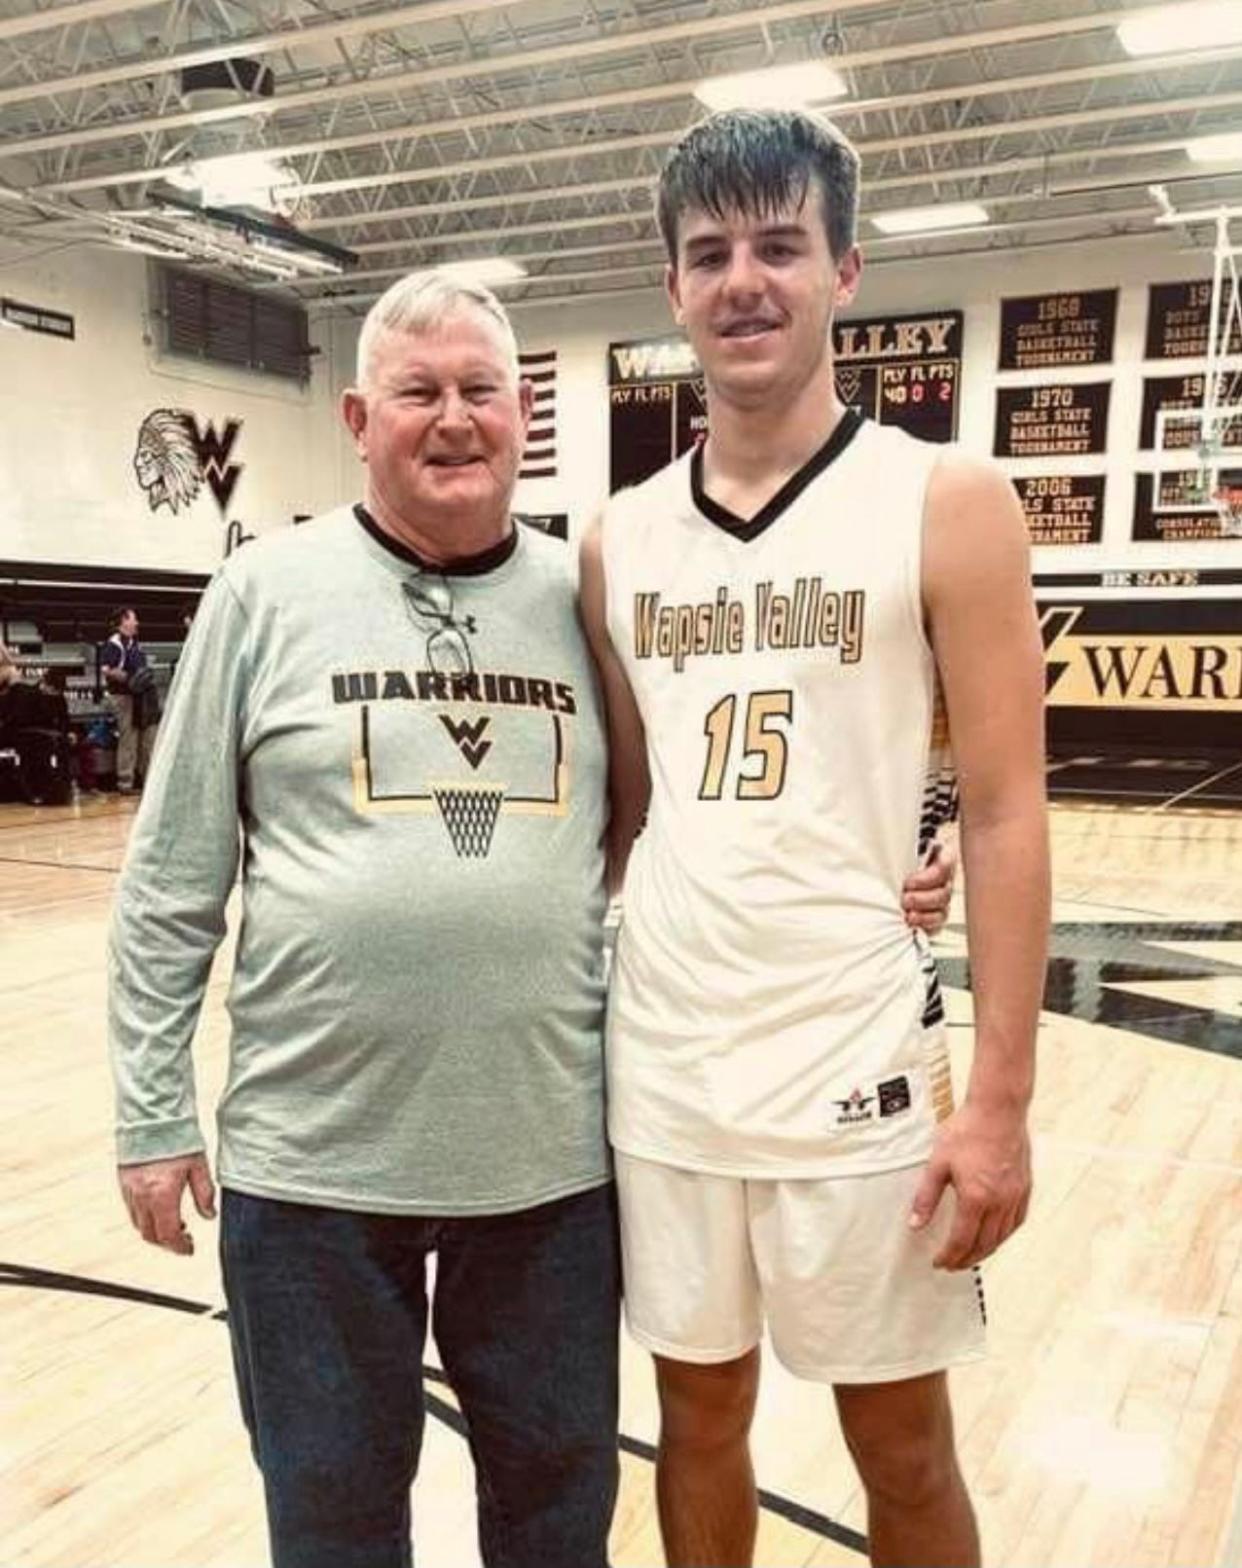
746	529
464	566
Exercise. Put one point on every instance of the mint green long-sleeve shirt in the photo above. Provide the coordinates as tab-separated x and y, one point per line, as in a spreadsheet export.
408	770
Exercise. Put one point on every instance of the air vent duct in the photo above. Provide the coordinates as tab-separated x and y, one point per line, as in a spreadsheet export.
219	83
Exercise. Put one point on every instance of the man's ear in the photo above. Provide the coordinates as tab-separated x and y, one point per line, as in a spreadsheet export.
354	413
526	400
849	276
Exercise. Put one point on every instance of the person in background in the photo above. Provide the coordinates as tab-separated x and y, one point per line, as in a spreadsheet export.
130	687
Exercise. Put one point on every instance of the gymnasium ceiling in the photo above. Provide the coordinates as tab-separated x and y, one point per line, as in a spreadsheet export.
419	133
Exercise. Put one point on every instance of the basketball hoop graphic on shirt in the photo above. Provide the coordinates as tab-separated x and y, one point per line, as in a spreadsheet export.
536	781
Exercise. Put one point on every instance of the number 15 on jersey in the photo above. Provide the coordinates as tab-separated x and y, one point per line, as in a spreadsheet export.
760	773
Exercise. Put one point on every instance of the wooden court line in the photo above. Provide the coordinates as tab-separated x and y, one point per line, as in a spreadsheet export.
1107	1151
40	821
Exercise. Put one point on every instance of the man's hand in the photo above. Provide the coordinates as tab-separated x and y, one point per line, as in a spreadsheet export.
985	1155
152	1194
926	893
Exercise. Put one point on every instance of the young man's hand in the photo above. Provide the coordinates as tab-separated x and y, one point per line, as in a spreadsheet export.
984	1154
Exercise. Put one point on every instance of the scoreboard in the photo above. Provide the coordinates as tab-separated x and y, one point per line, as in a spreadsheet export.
900	370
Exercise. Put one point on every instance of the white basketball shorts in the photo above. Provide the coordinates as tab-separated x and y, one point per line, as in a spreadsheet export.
846	1288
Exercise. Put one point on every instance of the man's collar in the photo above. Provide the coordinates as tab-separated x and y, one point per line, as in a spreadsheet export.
463	566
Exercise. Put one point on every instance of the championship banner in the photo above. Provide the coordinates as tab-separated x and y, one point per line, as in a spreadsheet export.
1063	508
1045	331
1180	392
900	370
1152	521
1120	671
1052	421
1177	320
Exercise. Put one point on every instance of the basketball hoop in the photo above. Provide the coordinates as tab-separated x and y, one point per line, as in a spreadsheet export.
470	817
1227	499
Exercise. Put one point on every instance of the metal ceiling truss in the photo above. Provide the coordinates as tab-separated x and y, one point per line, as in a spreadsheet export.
417	133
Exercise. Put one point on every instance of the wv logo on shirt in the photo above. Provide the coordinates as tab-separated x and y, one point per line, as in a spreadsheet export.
468	738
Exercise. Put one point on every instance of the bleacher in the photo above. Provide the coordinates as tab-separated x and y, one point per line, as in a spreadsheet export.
56	616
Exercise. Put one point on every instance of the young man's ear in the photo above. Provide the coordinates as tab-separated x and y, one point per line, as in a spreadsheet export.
849	276
354	413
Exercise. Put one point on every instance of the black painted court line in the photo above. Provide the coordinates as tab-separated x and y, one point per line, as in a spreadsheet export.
75	1284
1230	794
796	1513
1090	964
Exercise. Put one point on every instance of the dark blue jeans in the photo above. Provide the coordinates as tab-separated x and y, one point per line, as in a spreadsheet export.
328	1315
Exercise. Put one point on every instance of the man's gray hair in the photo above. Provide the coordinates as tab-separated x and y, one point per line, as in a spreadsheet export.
424	301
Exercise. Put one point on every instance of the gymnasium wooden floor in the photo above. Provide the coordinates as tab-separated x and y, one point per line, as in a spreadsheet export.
1105	1429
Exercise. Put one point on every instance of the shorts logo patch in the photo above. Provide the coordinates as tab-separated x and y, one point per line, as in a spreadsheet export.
857	1108
894	1095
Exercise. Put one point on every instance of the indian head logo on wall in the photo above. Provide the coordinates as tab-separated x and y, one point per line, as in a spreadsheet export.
175	456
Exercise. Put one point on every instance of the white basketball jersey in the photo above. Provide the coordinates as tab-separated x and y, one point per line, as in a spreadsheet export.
771	1013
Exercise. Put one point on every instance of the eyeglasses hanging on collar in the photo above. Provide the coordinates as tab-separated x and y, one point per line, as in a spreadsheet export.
429	604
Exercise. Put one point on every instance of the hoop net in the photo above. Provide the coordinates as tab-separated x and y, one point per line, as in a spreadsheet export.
1227	499
470	817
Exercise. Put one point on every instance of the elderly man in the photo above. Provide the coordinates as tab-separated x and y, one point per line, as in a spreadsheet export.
393	710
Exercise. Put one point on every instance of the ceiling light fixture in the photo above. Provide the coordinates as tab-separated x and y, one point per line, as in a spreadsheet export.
1224	148
778	87
1172	29
929	220
248	179
491	271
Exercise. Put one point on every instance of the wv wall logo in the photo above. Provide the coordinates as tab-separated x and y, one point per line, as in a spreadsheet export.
175	455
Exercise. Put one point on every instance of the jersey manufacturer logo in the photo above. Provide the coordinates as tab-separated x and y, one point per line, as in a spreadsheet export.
857	1107
894	1095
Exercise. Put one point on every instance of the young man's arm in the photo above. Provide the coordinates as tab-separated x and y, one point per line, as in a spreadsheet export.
629	782
981	620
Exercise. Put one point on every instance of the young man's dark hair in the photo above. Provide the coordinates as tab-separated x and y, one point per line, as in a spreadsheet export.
117	616
757	163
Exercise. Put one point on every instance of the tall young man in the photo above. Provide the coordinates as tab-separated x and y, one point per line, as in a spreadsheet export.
775	615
